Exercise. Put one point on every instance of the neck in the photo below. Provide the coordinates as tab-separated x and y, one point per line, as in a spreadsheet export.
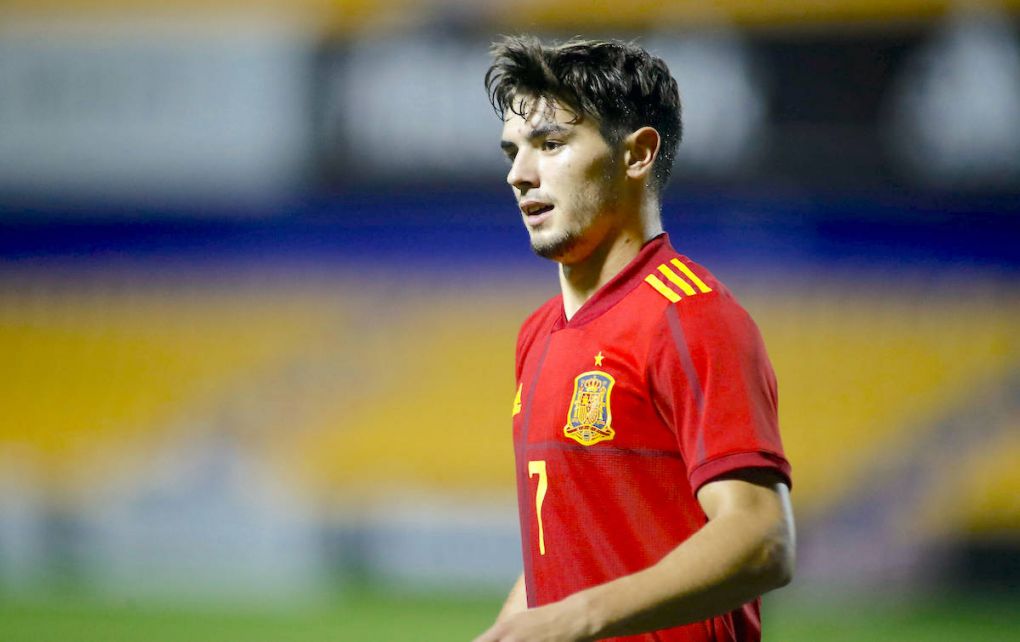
580	280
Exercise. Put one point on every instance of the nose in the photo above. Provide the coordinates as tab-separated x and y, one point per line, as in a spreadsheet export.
523	174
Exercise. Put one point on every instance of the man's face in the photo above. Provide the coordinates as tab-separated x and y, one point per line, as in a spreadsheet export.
565	178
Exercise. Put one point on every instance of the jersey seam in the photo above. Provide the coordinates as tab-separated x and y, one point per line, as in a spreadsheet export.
613	450
666	422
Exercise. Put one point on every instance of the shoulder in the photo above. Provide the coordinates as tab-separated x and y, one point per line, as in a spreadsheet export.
544	315
538	323
677	283
695	303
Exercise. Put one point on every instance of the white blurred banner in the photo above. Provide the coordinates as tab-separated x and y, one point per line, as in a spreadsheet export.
153	116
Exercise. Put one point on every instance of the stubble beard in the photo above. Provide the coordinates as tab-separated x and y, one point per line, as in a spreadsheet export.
554	248
597	202
565	243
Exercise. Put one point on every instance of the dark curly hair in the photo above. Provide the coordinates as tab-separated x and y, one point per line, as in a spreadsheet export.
619	84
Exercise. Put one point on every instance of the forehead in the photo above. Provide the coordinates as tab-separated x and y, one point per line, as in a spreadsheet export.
536	112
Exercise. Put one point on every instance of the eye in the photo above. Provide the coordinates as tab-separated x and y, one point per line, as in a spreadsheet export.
551	145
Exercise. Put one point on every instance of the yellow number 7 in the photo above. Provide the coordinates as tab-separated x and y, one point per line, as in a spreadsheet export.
538	468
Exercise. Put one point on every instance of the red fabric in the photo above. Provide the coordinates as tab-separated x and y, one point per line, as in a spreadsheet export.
693	398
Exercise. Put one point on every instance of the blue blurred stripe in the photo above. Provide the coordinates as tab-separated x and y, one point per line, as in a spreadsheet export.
452	228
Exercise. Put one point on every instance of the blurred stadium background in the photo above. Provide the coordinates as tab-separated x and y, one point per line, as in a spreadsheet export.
260	280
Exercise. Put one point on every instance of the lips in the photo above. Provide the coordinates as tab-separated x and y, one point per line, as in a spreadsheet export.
535	211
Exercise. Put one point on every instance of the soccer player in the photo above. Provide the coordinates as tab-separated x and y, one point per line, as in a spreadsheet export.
652	485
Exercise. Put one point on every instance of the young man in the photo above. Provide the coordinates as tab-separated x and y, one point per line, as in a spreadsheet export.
652	484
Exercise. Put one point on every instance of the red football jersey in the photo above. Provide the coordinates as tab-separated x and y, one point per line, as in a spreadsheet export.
658	384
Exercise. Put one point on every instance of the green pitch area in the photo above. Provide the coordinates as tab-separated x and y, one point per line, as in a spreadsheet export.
959	618
381	618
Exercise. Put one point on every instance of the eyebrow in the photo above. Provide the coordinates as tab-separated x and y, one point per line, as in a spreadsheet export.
543	130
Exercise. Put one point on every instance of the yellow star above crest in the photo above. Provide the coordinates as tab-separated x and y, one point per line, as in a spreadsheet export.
598	358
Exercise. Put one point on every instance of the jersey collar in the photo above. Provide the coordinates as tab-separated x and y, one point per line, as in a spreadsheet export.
657	250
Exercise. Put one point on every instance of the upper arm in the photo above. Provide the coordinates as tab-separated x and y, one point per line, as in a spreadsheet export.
758	500
758	491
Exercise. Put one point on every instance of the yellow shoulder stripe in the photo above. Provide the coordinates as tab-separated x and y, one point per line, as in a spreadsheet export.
692	276
677	281
654	281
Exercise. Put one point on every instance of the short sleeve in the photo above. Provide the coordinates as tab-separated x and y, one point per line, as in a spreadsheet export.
713	385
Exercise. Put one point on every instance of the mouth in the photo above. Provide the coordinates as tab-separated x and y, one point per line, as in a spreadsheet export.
535	212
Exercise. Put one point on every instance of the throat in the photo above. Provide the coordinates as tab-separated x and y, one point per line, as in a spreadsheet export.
580	281
572	303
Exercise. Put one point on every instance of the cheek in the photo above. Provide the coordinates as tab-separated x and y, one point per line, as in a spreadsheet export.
564	169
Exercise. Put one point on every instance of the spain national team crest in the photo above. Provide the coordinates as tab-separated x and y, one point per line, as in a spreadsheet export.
590	418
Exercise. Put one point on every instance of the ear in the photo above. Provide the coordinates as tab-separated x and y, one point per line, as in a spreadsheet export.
641	148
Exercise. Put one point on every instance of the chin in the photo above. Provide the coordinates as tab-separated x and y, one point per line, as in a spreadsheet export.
553	246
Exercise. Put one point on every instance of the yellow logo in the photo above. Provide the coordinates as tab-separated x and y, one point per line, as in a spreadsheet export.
517	401
590	418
